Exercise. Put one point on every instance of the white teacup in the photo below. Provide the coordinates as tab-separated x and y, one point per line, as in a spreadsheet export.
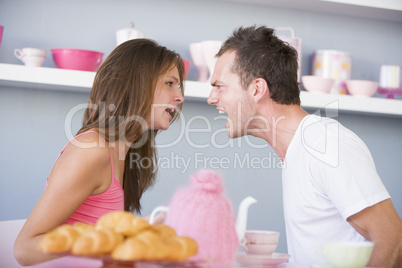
31	56
261	242
348	254
29	51
33	61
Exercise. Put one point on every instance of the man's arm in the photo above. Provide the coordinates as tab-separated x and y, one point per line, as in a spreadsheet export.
381	224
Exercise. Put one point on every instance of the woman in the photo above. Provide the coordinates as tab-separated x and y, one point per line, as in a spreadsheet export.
137	91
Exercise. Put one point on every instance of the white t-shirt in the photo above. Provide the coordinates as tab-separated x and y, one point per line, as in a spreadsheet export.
328	175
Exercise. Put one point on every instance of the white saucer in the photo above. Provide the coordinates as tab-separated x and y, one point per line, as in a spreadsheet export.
261	260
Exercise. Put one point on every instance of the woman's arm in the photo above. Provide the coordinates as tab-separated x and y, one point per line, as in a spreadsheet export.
77	174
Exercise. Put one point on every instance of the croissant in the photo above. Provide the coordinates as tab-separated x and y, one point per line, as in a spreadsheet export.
181	247
59	240
147	245
83	227
123	235
163	230
97	242
122	222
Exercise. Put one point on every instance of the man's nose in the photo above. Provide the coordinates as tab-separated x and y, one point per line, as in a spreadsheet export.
212	99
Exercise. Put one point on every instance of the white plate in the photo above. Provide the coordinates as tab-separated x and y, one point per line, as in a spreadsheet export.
261	260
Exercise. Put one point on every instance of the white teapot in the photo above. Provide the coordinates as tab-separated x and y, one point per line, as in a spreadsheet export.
125	34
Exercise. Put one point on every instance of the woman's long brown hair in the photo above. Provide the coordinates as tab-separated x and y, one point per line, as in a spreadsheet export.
120	103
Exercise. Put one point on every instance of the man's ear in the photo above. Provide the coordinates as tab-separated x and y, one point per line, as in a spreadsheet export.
259	89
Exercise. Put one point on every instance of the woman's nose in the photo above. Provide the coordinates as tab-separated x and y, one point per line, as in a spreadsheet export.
179	98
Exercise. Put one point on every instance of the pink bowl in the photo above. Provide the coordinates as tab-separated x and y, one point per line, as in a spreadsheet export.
1	32
318	84
77	59
362	88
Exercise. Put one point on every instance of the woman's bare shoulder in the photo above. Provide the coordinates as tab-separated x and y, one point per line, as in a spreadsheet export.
89	140
86	159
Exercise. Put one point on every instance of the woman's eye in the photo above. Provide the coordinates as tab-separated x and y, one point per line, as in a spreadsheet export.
169	84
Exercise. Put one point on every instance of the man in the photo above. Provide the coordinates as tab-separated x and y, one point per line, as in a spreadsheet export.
331	189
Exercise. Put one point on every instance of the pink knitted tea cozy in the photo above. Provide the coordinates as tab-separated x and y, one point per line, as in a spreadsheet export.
202	211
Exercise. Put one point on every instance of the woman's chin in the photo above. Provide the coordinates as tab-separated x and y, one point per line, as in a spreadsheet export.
162	127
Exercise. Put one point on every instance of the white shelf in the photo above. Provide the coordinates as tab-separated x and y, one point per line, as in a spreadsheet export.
383	4
80	81
370	105
57	79
389	10
379	106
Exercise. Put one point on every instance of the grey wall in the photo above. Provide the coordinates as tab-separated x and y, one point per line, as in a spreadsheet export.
33	133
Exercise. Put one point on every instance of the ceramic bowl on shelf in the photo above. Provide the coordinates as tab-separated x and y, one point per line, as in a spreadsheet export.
1	32
317	84
77	59
362	88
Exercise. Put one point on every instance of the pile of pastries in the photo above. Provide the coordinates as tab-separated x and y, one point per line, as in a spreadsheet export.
123	236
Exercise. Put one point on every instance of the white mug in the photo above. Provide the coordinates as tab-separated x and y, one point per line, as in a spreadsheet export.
210	48
390	76
197	55
294	42
333	64
31	56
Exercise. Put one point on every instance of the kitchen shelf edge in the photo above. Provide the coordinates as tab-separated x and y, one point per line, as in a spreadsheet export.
81	81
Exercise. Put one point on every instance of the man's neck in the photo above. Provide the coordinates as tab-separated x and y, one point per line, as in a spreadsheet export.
281	123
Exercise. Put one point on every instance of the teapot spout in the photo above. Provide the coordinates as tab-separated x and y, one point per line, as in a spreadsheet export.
241	221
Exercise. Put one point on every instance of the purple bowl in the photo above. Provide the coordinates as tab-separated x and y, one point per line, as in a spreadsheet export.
77	59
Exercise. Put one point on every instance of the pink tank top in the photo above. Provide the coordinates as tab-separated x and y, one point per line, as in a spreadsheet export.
97	205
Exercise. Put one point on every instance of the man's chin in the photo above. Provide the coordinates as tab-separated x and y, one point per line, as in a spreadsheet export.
233	135
230	134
